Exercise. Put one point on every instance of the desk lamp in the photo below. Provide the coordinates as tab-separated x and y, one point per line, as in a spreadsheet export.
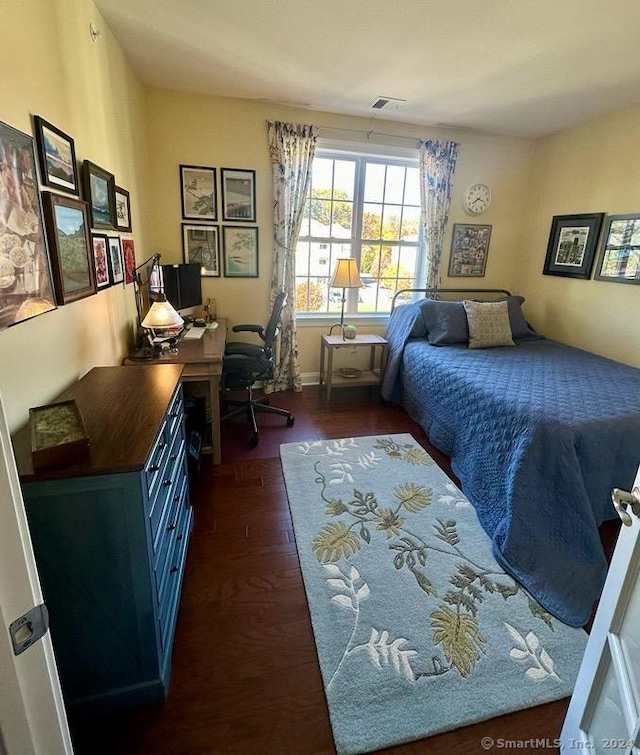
345	275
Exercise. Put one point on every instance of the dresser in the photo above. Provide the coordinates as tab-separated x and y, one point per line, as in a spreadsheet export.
110	534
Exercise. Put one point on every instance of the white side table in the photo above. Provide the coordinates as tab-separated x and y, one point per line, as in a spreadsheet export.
332	379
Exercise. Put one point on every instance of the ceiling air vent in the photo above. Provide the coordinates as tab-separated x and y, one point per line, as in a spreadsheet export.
387	103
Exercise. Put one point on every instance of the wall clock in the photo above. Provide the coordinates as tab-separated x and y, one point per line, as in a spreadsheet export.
477	198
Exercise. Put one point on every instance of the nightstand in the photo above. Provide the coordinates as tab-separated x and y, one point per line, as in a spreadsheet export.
332	379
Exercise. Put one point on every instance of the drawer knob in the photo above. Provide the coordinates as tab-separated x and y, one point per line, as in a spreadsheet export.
174	414
166	483
176	498
179	537
154	467
171	527
173	570
173	457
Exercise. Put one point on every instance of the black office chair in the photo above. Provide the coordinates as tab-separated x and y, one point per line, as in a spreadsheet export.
246	363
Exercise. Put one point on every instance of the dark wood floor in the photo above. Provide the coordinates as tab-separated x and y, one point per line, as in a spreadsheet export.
245	675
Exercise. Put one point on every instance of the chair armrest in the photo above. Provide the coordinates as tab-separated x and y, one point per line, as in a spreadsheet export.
250	329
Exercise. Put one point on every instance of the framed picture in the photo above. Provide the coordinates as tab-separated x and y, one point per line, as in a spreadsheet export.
99	191
57	153
240	251
238	195
101	260
619	259
572	245
26	286
70	247
116	269
123	209
469	250
128	260
200	244
198	192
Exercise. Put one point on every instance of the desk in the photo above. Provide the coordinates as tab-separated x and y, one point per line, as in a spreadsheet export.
202	360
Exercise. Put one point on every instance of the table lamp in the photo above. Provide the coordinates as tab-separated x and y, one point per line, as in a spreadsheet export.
345	275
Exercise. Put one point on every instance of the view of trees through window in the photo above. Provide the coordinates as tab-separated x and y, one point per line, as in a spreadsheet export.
362	207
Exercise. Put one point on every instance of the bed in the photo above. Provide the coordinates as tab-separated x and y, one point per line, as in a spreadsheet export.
538	435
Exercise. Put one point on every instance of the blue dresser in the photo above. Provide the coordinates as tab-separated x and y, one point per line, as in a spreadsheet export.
110	534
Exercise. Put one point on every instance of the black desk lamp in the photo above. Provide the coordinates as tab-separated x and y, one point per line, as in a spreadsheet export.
345	275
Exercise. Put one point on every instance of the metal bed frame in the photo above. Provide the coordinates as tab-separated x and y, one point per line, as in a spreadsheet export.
434	292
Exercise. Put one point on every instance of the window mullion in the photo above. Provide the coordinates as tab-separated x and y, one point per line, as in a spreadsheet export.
356	228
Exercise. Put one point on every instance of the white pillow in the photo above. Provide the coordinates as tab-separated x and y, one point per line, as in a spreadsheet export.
488	324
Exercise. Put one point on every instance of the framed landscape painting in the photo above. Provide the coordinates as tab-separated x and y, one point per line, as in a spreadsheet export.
70	247
572	245
99	191
57	154
239	195
26	286
198	192
123	209
200	244
619	259
240	251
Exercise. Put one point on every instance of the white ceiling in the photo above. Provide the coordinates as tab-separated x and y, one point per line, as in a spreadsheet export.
514	67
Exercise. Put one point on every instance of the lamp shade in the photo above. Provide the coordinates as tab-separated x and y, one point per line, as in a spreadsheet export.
345	274
162	315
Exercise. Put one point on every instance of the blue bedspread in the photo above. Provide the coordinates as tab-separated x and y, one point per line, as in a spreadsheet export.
538	434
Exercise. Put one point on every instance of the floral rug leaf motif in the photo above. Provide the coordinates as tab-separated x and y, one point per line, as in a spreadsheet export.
418	629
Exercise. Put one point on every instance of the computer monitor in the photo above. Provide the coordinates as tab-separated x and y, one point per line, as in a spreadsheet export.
181	285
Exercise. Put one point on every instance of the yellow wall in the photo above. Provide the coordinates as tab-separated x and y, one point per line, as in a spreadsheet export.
591	168
192	129
50	67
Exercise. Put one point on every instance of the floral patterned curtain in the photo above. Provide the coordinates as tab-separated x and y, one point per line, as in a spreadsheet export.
292	148
437	166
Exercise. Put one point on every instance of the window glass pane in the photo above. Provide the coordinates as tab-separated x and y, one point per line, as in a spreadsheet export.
342	216
319	260
410	223
372	221
310	295
320	224
412	187
391	222
302	258
394	187
607	720
321	177
374	182
306	213
344	179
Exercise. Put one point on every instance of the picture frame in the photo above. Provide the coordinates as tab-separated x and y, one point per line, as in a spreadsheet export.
57	157
116	268
100	244
572	245
123	209
469	250
128	260
26	282
70	247
198	192
200	243
619	258
99	191
238	195
240	251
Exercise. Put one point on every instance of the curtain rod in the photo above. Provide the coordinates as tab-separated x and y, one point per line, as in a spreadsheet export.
371	132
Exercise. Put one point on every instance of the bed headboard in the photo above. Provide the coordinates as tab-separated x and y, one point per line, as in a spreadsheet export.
450	293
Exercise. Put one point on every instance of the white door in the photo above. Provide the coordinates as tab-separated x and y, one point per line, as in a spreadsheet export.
604	713
32	715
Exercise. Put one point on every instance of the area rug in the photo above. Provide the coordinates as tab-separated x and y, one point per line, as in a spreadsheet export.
417	628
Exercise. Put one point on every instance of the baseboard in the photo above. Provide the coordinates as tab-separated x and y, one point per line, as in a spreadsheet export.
310	378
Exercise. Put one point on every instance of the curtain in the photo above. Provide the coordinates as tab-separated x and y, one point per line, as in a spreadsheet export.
291	148
437	166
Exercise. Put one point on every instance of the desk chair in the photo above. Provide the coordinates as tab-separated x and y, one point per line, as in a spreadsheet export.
246	363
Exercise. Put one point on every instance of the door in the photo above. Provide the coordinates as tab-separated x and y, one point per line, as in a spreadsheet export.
604	712
32	715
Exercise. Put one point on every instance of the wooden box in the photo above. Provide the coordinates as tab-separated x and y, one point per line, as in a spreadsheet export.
58	434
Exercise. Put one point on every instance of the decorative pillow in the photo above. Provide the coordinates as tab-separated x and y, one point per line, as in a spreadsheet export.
445	321
488	324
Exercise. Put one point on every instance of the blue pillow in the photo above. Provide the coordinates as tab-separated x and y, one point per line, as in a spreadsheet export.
445	321
520	328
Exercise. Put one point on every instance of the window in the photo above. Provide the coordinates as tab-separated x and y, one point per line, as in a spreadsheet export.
364	207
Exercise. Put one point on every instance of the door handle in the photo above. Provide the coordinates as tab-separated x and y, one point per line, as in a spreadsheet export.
622	499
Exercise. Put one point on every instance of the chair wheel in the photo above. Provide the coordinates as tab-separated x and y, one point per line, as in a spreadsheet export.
253	442
290	421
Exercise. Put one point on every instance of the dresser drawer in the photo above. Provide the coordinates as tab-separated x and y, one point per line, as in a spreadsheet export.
157	460
173	579
171	472
175	414
168	527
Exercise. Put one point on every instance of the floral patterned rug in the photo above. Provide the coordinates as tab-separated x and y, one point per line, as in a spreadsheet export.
418	630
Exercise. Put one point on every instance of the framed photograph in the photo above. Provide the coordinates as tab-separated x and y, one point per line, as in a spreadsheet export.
101	260
240	251
619	259
572	245
26	285
238	195
200	244
116	269
123	209
469	250
128	260
70	247
198	192
57	153
99	191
